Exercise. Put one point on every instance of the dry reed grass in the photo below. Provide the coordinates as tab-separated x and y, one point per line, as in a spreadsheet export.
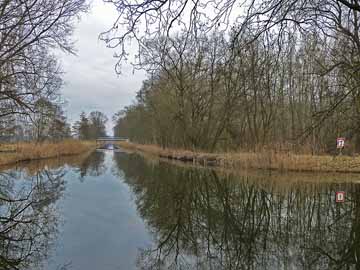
270	160
19	152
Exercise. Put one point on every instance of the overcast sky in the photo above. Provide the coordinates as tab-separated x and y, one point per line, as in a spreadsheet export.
90	80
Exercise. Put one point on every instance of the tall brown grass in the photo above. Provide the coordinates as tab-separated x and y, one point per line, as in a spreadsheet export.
14	153
264	159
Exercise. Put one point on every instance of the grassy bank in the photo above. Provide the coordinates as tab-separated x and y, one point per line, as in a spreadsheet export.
14	153
269	160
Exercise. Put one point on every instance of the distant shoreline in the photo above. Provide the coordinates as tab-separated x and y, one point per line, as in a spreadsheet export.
20	152
266	160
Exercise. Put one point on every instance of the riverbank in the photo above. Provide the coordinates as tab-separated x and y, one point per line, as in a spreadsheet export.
268	160
19	152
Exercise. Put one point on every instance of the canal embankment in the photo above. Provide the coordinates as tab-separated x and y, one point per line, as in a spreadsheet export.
268	160
26	151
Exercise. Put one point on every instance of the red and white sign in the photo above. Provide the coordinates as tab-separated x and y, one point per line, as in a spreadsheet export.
340	143
340	196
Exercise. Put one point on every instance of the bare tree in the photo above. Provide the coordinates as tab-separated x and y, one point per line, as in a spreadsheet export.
28	31
285	71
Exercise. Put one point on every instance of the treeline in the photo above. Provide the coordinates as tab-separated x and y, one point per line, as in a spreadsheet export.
293	83
31	106
46	122
90	127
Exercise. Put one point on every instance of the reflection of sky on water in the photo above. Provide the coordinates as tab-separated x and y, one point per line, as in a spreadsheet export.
102	229
113	210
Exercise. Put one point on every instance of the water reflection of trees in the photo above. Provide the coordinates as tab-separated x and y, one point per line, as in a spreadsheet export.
28	220
86	164
203	220
93	164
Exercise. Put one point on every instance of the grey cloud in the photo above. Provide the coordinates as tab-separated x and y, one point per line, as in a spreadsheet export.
90	79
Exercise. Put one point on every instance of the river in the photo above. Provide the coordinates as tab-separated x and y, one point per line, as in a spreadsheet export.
116	210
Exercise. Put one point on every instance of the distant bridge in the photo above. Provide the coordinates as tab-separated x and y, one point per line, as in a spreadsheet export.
111	139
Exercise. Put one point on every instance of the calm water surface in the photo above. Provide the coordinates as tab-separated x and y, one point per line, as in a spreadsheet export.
114	210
